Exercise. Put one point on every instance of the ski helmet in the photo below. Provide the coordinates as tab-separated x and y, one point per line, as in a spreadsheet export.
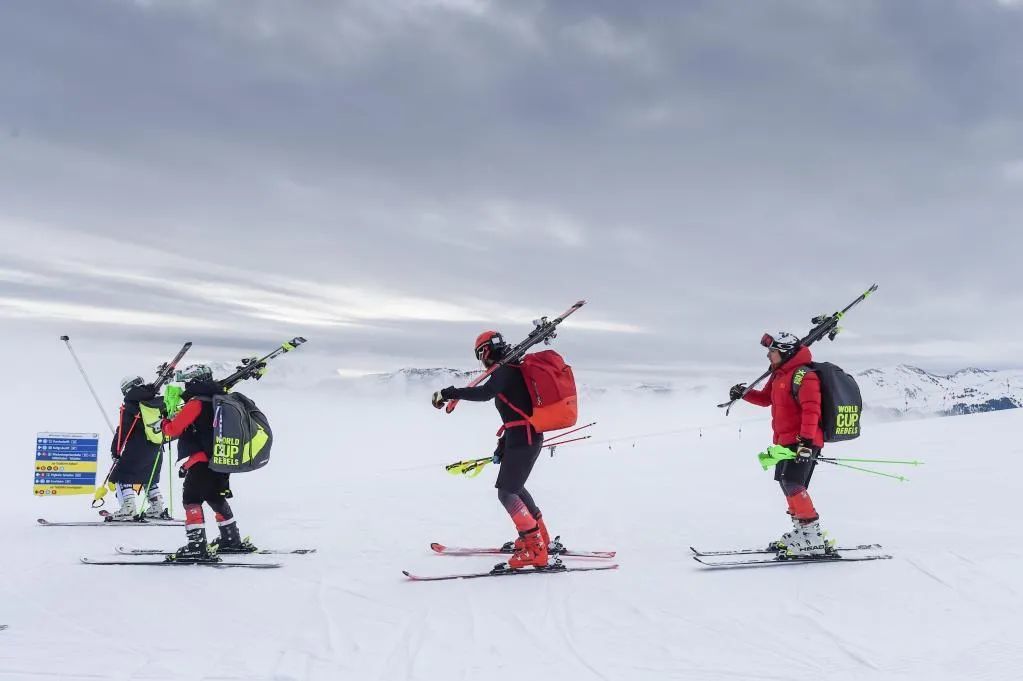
783	341
490	346
195	372
130	382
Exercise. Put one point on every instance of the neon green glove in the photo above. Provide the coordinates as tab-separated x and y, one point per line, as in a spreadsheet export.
774	455
172	400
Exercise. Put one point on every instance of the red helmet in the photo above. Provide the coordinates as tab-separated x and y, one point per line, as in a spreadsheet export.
490	346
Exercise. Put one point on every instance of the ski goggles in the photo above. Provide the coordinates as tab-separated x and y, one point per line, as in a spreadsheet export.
769	341
483	351
128	386
197	372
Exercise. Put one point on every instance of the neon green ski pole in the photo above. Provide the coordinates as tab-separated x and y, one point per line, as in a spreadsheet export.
907	463
900	478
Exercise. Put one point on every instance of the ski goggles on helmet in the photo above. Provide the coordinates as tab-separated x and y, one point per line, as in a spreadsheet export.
195	372
781	341
486	343
129	383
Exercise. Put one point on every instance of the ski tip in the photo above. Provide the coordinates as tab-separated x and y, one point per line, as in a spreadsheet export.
439	548
42	521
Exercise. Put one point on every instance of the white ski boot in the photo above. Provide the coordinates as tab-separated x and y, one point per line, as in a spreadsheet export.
128	510
786	539
156	508
808	541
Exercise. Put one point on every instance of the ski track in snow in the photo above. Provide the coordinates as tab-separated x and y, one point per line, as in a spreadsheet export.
946	608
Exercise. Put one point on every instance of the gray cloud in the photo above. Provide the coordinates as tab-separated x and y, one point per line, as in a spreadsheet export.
393	175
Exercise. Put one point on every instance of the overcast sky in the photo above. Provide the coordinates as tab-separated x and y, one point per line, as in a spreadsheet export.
388	178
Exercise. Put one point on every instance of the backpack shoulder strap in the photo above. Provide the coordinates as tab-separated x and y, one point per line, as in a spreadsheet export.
797	378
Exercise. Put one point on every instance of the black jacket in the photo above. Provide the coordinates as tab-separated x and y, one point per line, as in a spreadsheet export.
138	454
198	437
507	381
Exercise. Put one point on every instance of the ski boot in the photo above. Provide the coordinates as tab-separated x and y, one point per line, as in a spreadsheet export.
533	552
231	541
513	546
196	550
156	509
809	541
782	543
127	513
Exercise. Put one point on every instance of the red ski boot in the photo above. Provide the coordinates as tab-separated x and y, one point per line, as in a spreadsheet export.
516	546
532	553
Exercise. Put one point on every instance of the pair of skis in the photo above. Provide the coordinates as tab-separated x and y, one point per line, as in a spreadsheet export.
218	563
557	551
544	331
741	558
139	522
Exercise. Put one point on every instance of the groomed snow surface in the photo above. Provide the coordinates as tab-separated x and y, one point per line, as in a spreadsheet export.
363	481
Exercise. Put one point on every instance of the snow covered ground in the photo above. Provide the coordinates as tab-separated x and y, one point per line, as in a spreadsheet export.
363	481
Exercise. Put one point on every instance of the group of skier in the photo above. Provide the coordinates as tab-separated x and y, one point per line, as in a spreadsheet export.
533	394
190	416
795	420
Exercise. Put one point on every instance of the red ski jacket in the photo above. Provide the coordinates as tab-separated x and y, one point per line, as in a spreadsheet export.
791	419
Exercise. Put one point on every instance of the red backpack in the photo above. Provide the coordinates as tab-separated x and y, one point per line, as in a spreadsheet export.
551	386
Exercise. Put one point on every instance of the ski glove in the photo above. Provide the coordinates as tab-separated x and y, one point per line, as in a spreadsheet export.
498	452
804	449
737	391
441	397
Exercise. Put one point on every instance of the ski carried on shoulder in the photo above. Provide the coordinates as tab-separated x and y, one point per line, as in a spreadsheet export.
126	551
203	563
148	522
502	570
743	552
544	331
793	560
556	549
165	372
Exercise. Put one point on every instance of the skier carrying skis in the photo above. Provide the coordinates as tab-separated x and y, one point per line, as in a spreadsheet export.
517	449
797	426
193	427
137	450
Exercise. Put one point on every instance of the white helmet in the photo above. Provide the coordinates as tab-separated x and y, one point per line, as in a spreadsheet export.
783	341
129	382
195	372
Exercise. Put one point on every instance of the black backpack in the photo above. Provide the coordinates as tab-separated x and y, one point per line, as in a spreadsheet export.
841	403
241	435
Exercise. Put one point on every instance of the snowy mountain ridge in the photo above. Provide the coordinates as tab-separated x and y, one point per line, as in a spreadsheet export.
909	390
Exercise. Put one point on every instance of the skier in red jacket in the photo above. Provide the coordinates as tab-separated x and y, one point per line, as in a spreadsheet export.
797	426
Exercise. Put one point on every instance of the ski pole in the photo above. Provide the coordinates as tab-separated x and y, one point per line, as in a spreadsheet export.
81	370
152	473
900	478
101	491
555	445
836	460
170	482
569	432
473	467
